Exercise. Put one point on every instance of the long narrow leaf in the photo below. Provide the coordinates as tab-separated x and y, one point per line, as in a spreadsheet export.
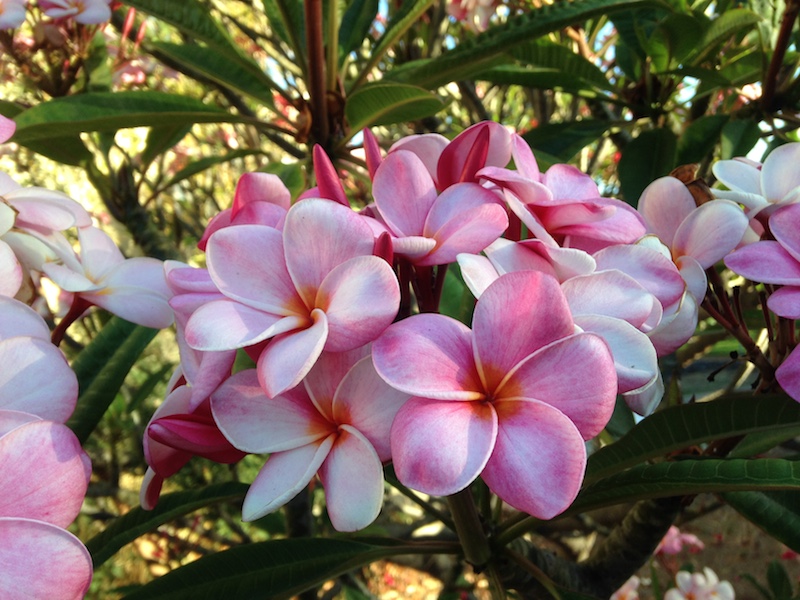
777	513
138	521
101	369
679	427
384	103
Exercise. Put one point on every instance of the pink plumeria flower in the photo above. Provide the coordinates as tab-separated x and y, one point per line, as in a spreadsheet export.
44	475
134	289
508	403
700	586
628	591
777	262
431	228
336	424
12	15
761	188
697	237
563	206
7	7
675	540
313	286
260	199
11	271
40	381
86	12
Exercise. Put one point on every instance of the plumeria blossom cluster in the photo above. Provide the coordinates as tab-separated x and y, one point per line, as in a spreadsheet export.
577	296
85	12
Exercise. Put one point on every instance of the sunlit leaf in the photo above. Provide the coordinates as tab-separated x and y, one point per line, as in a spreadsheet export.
546	54
356	24
384	103
725	26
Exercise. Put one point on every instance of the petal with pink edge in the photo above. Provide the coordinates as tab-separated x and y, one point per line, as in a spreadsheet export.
352	476
366	402
785	226
481	145
439	447
256	423
576	375
413	247
710	232
765	261
44	473
227	325
404	193
41	382
42	561
779	175
318	236
539	458
501	342
360	299
260	187
247	264
664	204
282	478
427	146
289	357
430	356
788	375
785	302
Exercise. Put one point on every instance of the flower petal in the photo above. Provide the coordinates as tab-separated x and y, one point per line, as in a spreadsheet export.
710	232
430	356
326	375
785	302
439	447
664	204
352	476
21	319
227	325
539	458
404	193
779	175
283	477
788	374
784	226
765	261
610	293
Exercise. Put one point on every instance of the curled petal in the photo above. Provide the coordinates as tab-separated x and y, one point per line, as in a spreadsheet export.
676	327
430	356
694	275
282	478
352	476
539	458
40	560
360	299
439	447
645	400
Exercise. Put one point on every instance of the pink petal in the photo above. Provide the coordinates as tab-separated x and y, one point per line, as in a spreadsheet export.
779	175
366	402
785	226
404	193
99	253
164	461
44	473
40	382
256	423
283	477
227	325
478	272
665	204
326	375
39	560
524	160
46	210
329	186
788	375
610	293
738	176
428	147
710	232
68	279
151	489
360	299
539	458
11	419
372	152
352	476
645	400
765	261
289	357
260	187
569	183
10	271
532	255
440	447
21	319
676	327
576	375
694	275
430	356
196	434
247	264
7	126
481	145
523	297
785	302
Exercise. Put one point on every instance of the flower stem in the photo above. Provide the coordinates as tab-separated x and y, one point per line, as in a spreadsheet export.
469	529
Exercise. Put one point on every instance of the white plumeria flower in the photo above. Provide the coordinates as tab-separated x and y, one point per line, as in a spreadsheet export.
700	586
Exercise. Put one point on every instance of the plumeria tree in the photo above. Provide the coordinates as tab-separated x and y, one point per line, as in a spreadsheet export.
474	249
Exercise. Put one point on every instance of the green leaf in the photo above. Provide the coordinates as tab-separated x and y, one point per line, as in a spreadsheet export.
275	569
193	18
355	26
682	32
700	138
110	111
384	103
779	581
202	164
161	139
138	521
486	50
726	25
689	477
777	513
221	68
739	137
680	427
650	156
565	140
457	301
546	54
537	78
101	369
286	19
